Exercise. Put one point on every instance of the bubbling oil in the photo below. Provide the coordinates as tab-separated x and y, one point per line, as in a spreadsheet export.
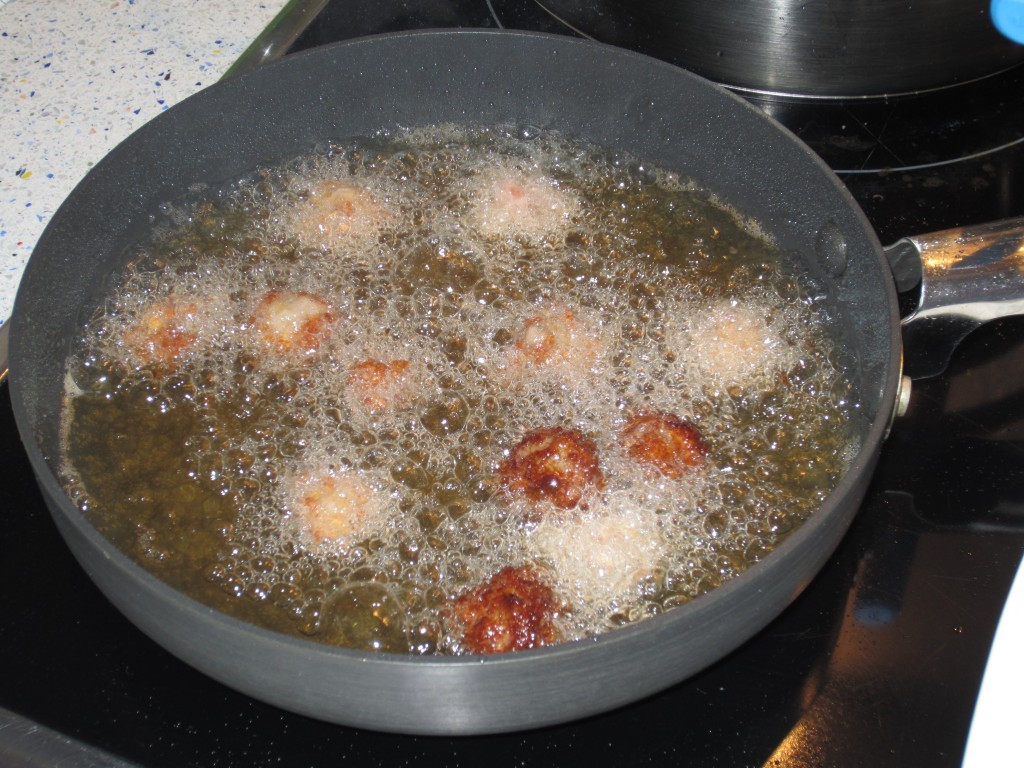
191	464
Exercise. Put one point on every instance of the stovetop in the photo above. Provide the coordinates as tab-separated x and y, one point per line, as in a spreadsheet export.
879	661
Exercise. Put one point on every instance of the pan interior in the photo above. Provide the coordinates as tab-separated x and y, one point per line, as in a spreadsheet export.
649	110
474	286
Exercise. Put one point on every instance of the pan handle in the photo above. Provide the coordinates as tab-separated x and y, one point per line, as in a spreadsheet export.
967	276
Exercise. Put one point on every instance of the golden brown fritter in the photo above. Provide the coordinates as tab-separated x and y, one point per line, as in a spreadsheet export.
513	611
292	323
552	464
378	385
664	442
164	333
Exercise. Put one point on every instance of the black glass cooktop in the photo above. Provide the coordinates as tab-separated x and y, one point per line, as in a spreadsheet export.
877	663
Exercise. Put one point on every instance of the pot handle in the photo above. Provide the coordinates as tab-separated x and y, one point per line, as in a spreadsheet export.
967	276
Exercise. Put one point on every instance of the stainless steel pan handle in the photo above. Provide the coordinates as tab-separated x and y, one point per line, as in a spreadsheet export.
967	276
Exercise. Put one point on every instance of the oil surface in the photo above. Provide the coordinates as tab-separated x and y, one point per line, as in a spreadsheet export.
204	446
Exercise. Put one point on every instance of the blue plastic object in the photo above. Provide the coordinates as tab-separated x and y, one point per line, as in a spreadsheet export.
1008	16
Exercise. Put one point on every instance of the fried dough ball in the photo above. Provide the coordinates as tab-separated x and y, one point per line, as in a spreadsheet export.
734	345
522	204
556	341
552	464
377	385
663	442
165	332
513	611
337	508
603	554
333	211
292	323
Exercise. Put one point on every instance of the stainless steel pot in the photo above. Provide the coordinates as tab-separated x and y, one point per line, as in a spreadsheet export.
814	48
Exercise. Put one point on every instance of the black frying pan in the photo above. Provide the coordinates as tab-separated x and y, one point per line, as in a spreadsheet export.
608	96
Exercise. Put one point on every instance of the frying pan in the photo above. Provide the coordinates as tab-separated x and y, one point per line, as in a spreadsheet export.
608	96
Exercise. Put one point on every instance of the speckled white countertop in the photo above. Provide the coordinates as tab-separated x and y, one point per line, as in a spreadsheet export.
79	76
